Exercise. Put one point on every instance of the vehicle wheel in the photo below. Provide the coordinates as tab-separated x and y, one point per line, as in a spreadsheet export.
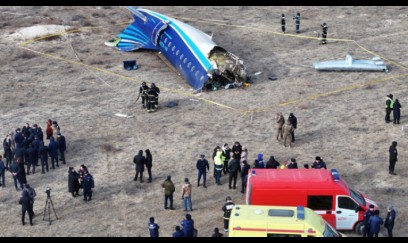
359	228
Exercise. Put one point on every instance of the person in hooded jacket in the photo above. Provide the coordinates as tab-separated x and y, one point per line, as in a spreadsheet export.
149	164
272	163
140	161
393	157
188	226
396	111
73	182
260	161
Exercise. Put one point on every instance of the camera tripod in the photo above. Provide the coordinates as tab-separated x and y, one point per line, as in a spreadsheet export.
48	205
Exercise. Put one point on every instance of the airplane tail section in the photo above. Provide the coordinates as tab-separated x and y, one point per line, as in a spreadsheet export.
134	37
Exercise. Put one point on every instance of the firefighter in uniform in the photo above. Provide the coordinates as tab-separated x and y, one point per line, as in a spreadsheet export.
143	92
227	208
150	100
283	22
324	34
297	22
155	91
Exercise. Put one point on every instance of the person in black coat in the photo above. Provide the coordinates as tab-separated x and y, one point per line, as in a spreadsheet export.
62	147
393	157
8	153
233	168
293	120
272	163
244	175
389	220
53	152
43	152
283	22
17	175
292	164
149	164
202	167
140	161
26	205
396	111
73	182
88	185
32	158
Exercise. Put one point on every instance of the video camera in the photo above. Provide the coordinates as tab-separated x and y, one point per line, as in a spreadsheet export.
48	191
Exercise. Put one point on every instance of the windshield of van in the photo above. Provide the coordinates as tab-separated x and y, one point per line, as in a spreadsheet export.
358	197
329	231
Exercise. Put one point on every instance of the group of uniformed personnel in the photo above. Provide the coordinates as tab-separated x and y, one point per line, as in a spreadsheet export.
150	96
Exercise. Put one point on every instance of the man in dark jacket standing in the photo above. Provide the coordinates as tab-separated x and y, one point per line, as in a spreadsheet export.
140	161
88	185
27	203
202	167
244	175
62	147
293	120
375	224
393	157
32	158
367	215
73	182
233	168
43	152
149	164
396	111
15	170
53	152
389	220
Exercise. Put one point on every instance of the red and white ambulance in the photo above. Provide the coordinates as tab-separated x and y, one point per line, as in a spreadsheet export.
323	191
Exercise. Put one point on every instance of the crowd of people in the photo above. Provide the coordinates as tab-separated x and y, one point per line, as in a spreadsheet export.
25	148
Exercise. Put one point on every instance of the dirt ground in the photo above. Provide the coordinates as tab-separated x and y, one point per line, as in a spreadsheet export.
340	114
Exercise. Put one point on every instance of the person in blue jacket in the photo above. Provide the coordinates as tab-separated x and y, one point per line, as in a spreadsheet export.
153	228
375	223
188	226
